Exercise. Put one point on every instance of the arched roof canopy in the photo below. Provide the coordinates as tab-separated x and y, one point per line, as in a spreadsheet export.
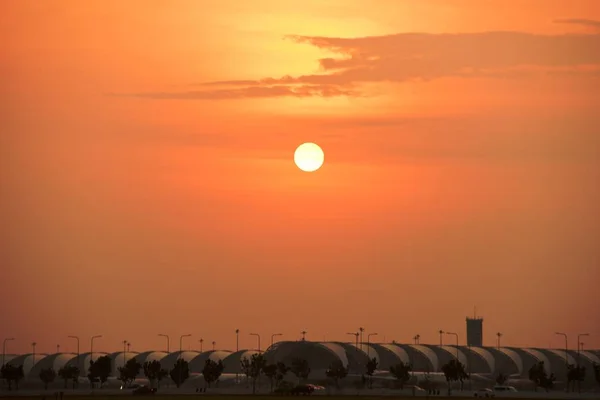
357	359
507	361
83	361
422	358
118	359
556	361
55	361
531	357
28	361
169	361
319	355
149	356
591	357
390	355
447	353
232	364
197	363
480	360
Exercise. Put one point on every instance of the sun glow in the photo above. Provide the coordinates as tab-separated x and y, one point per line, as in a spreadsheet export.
309	157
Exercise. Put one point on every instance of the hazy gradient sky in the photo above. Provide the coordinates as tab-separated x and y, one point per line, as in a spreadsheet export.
147	182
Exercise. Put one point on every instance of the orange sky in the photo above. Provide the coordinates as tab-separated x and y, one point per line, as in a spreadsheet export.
147	183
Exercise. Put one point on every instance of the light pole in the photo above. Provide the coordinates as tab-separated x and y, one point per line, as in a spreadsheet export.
78	361
369	343
417	338
167	337
355	334
441	332
181	343
92	346
258	336
566	346
124	352
499	335
201	342
128	347
303	335
33	352
4	348
237	348
361	330
579	345
214	343
566	349
273	337
181	353
454	334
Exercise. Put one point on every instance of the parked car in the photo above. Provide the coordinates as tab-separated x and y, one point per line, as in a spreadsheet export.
144	391
485	393
504	389
305	390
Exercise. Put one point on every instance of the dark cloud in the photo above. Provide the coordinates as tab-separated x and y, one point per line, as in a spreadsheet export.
417	56
579	21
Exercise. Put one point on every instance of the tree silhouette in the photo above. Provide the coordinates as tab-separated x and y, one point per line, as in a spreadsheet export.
401	372
282	370
212	371
575	375
69	373
129	371
597	372
180	372
154	372
12	374
270	371
501	379
47	375
336	372
454	371
300	368
99	370
253	367
539	377
371	367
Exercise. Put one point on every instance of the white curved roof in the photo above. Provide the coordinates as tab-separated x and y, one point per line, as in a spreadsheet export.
169	361
561	354
428	353
398	351
197	363
119	358
593	358
487	356
540	357
150	356
232	363
338	351
455	352
366	350
54	361
27	361
514	356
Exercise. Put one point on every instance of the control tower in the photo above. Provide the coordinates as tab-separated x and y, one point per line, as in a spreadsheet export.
475	331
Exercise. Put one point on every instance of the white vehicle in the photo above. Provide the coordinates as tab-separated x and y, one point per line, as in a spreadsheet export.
503	389
484	393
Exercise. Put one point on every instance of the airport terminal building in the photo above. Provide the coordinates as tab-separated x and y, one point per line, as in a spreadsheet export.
482	362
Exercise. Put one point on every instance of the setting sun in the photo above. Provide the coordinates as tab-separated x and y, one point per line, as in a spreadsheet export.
309	157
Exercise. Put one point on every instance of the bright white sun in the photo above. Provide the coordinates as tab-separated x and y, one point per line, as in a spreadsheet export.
309	157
